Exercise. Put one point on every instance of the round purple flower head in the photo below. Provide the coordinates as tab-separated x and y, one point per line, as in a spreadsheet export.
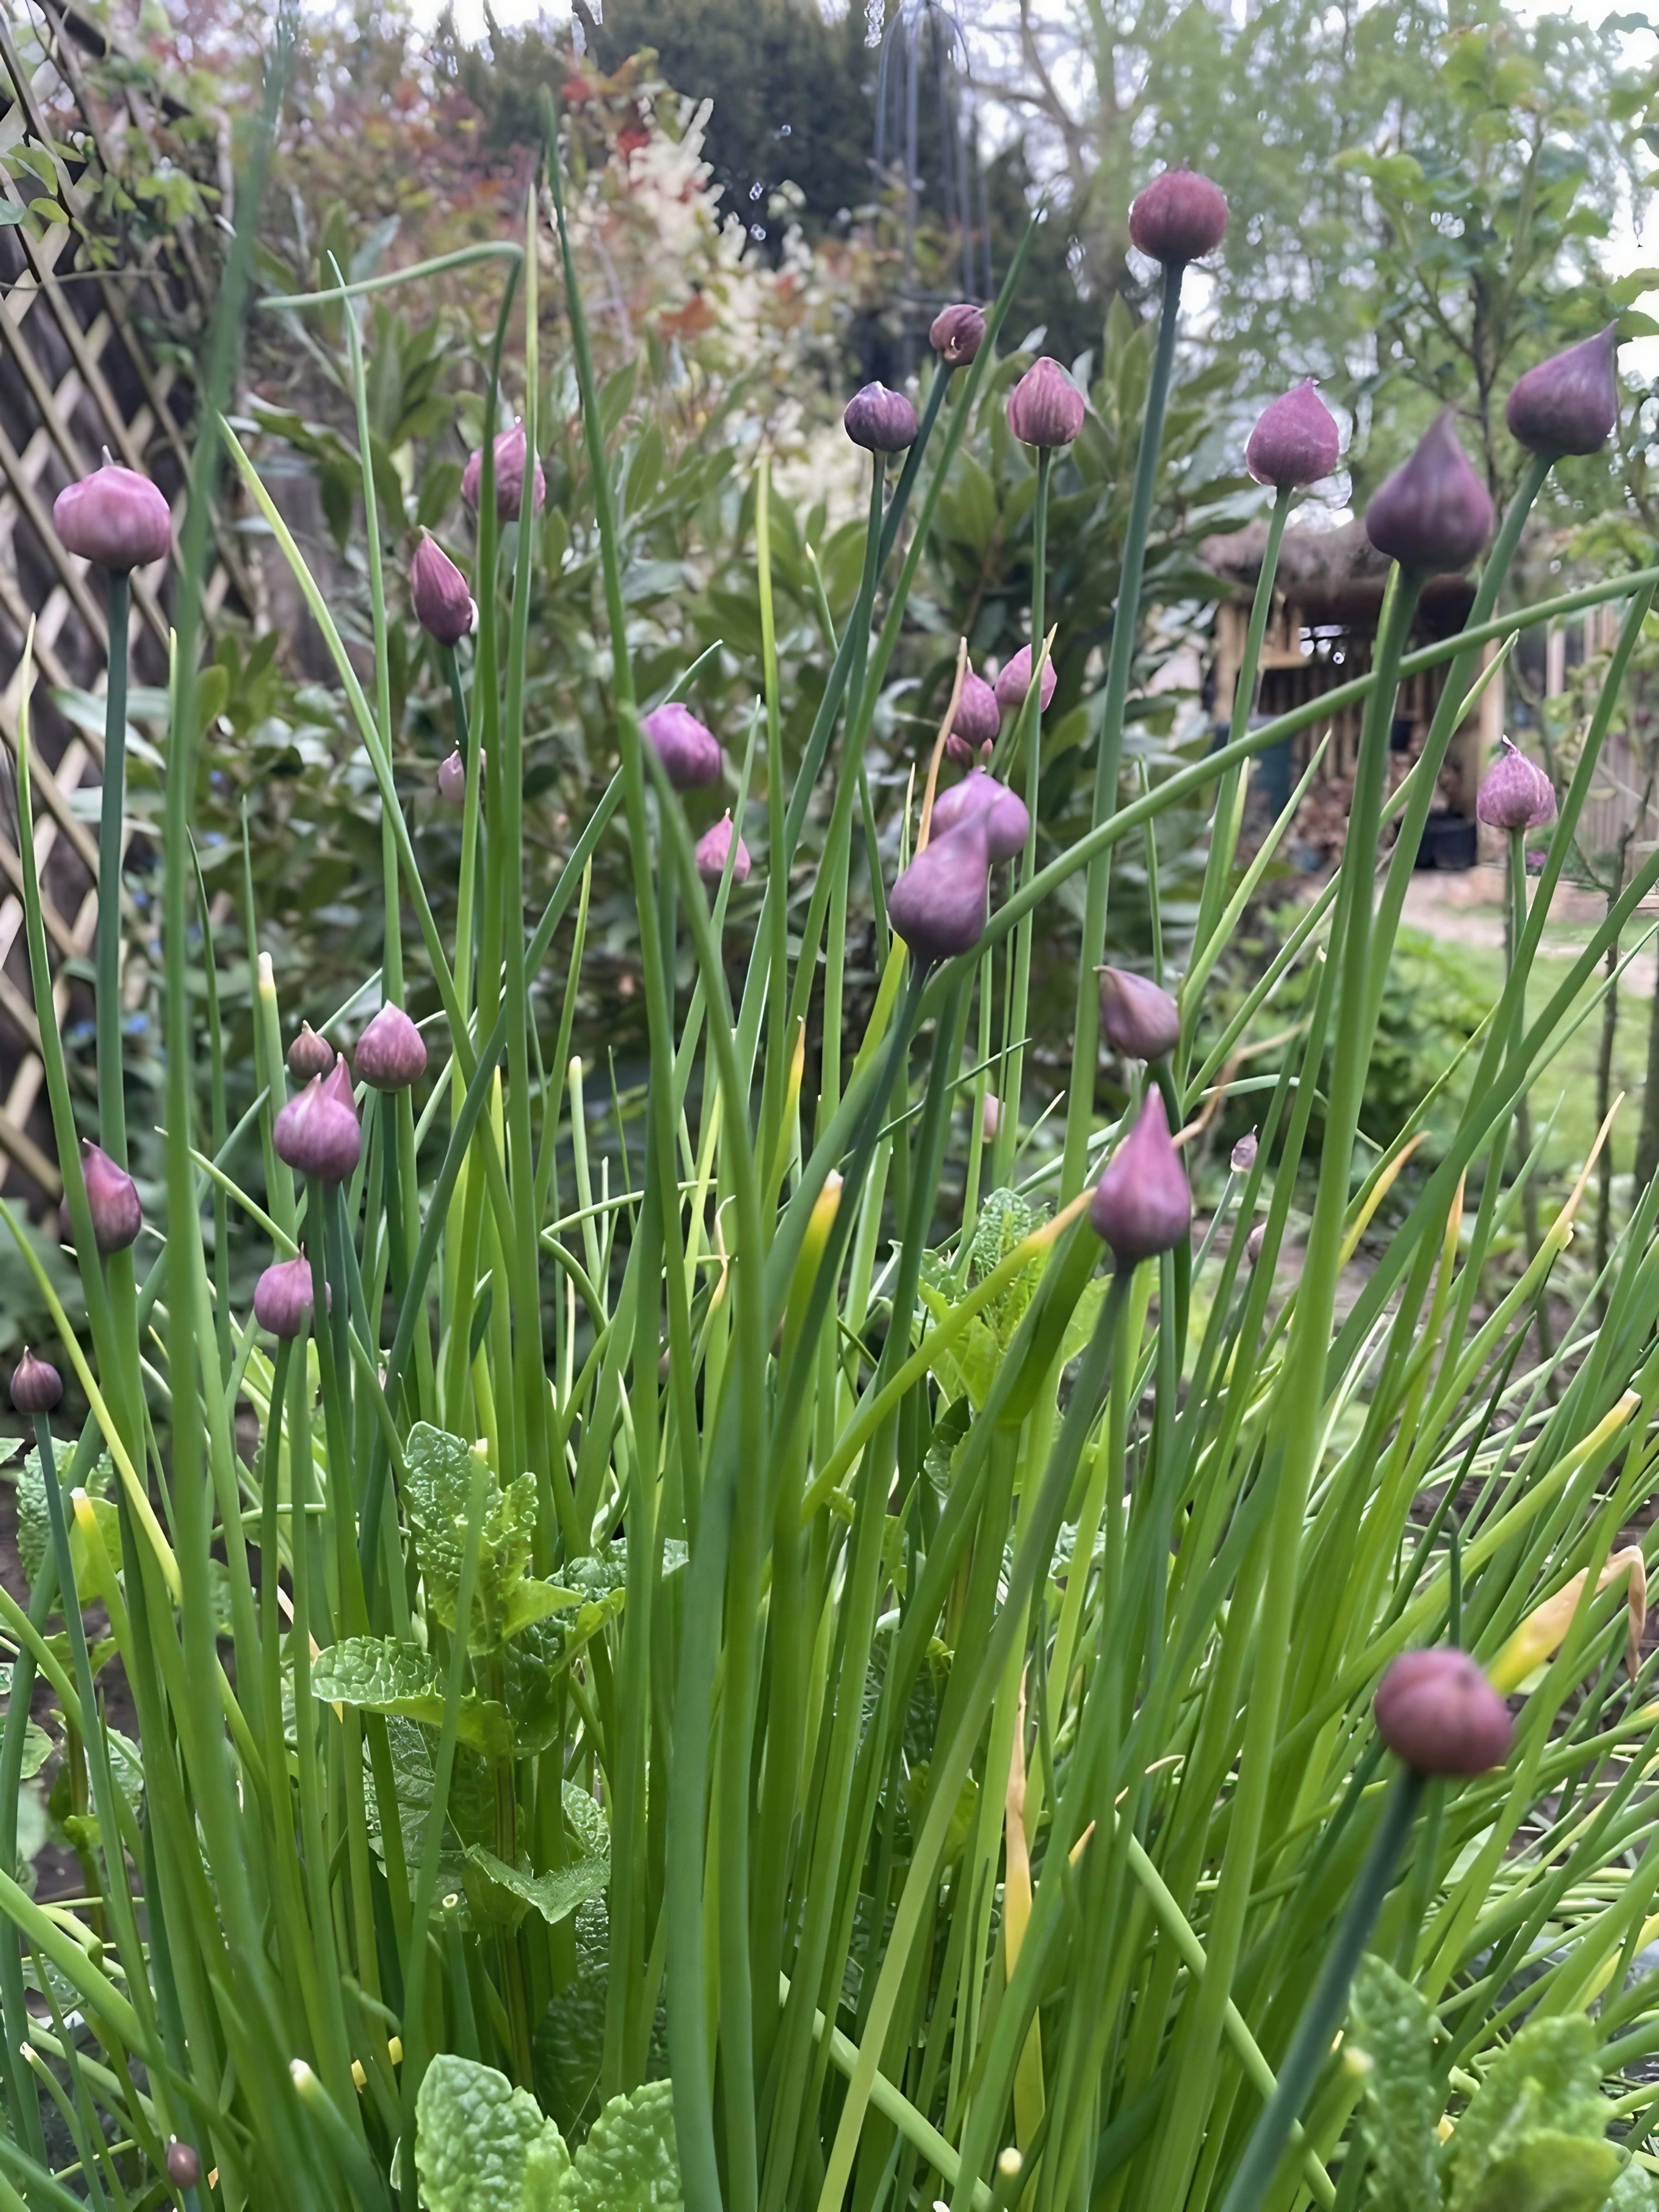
1433	513
1179	217
880	421
1437	1710
115	517
1295	441
1515	793
1569	404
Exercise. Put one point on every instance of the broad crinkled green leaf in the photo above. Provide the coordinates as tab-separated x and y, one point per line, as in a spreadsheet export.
1389	2023
385	1676
1543	2090
557	1894
631	2161
1549	2172
482	2146
34	1526
438	1488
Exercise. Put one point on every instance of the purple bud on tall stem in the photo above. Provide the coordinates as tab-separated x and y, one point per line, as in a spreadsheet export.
1433	514
115	517
1143	1205
978	717
1515	793
111	1199
36	1385
1295	441
509	478
939	905
1437	1710
688	751
1014	681
443	605
1179	217
1007	824
319	1134
1045	408
712	848
880	421
309	1055
958	333
1137	1016
282	1297
1570	402
391	1053
452	779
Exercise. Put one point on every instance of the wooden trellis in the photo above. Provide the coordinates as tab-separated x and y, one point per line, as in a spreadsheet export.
75	376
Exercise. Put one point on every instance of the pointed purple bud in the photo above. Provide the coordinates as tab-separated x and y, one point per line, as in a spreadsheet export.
451	780
282	1297
713	846
338	1085
978	717
990	1117
184	2164
1295	440
1179	217
36	1385
391	1053
1437	1710
1242	1159
1142	1205
112	1198
958	333
880	421
1136	1018
1007	824
688	749
939	905
1569	404
1433	513
1045	408
443	605
1516	794
960	753
1014	681
115	517
309	1055
317	1133
509	478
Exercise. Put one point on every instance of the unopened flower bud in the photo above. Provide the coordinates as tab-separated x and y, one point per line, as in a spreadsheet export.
1569	404
1045	408
111	1199
443	605
1433	513
688	751
1014	681
1295	440
1515	793
1179	217
282	1297
318	1133
509	478
1007	824
1437	1710
713	846
391	1053
958	333
36	1385
115	517
1142	1205
1137	1018
184	2166
1254	1243
960	753
309	1055
978	717
990	1117
880	421
940	905
1243	1154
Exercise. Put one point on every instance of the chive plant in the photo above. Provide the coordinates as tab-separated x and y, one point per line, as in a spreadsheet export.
709	1687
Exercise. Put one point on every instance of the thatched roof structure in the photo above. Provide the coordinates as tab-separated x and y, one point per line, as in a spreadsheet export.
1333	575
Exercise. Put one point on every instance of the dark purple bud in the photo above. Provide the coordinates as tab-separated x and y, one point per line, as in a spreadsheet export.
1569	404
282	1297
36	1385
391	1053
1436	1711
1243	1154
1433	513
443	605
115	517
1295	440
451	780
713	846
1136	1018
1254	1243
1180	216
1516	794
184	2166
1007	824
309	1055
1142	1205
509	478
978	717
1014	681
958	752
688	751
939	905
880	421
338	1085
112	1198
958	333
317	1133
1045	408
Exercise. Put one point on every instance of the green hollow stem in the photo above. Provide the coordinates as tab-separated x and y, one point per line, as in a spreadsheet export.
1080	1103
466	894
911	468
1013	1067
111	1094
1310	2045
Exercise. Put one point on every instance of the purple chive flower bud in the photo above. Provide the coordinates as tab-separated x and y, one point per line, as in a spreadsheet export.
690	751
880	421
713	846
338	1085
1015	681
282	1297
509	478
443	605
451	780
939	905
184	2166
958	752
1045	408
1436	1711
309	1055
1136	1018
115	517
979	794
1433	513
1295	440
1180	216
978	717
1516	794
36	1385
1142	1205
1254	1243
391	1053
112	1199
958	333
318	1133
1569	404
1243	1154
990	1117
